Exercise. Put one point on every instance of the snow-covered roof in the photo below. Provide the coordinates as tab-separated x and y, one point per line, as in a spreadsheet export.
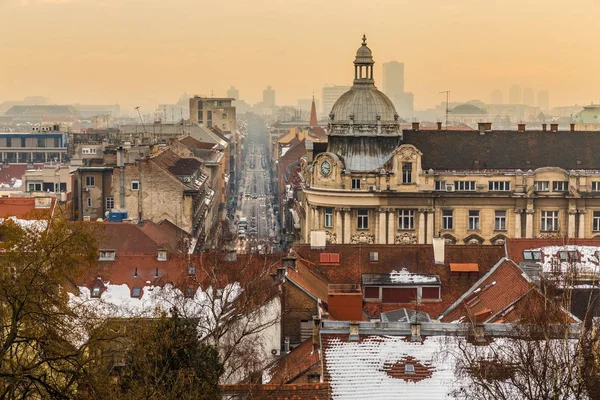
403	276
586	262
29	224
284	150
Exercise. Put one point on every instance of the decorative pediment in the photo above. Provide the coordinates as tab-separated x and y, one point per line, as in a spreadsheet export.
362	237
405	238
550	235
408	152
498	240
474	239
448	238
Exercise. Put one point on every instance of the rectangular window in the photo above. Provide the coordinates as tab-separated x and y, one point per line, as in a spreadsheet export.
110	203
560	186
34	186
200	116
107	255
406	172
596	221
499	186
136	292
363	219
209	118
430	293
596	186
474	219
569	256
191	270
440	185
532	255
541	186
549	221
328	217
500	221
355	183
90	180
8	142
95	292
464	186
23	142
41	142
135	185
399	295
89	202
447	219
374	256
406	219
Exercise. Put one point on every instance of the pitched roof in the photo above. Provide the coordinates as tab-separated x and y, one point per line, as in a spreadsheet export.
418	259
363	153
311	281
292	367
516	247
458	150
500	288
23	207
166	235
193	143
176	165
125	237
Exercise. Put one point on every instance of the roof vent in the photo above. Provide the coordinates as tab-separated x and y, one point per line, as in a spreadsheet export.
415	126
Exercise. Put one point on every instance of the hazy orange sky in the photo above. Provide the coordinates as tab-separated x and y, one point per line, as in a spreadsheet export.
145	52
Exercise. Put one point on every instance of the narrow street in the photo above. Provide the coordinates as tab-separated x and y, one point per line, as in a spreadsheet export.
255	224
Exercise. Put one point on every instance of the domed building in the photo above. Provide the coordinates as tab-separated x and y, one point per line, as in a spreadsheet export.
376	183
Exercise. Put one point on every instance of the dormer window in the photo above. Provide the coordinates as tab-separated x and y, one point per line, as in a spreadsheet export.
191	270
162	255
568	256
107	255
530	255
136	292
409	369
95	292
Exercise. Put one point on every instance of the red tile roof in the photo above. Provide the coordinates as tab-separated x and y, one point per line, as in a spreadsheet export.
192	143
125	237
293	366
311	281
515	247
355	261
21	207
12	171
302	391
166	235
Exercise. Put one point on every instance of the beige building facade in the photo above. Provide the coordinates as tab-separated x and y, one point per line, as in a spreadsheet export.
377	184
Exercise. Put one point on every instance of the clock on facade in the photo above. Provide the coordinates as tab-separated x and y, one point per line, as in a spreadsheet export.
325	168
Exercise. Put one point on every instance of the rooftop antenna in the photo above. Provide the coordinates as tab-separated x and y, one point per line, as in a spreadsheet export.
141	119
447	103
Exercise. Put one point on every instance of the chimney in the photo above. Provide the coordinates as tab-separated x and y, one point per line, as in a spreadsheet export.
521	127
572	127
308	145
286	344
415	126
553	127
544	127
288	262
438	250
439	126
281	272
354	333
488	126
316	333
481	126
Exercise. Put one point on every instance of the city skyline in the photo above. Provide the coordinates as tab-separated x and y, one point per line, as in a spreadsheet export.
90	52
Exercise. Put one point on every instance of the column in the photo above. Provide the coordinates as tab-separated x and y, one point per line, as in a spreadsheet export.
381	228
581	223
430	216
347	225
571	223
307	217
517	233
421	236
529	223
315	224
391	225
338	225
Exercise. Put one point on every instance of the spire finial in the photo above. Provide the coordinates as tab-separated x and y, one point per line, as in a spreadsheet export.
364	43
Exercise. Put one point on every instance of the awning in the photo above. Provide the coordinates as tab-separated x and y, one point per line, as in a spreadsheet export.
455	267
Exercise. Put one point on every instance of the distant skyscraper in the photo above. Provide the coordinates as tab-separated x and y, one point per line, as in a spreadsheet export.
528	96
330	96
393	78
393	87
514	95
543	100
233	93
269	97
497	97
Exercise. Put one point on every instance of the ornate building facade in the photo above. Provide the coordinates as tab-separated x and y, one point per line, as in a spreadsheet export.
378	184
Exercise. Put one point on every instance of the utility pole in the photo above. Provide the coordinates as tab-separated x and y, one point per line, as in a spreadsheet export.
447	102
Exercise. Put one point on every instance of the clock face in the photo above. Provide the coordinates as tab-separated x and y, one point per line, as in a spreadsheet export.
325	168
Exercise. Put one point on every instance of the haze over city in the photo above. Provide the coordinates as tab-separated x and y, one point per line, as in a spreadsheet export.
150	52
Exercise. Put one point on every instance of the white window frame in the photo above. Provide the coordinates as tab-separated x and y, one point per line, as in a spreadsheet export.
500	220
90	181
373	256
448	220
560	186
109	202
596	221
407	172
532	255
499	186
549	221
136	184
37	186
355	184
406	220
464	186
541	186
440	186
596	186
328	217
362	219
474	222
